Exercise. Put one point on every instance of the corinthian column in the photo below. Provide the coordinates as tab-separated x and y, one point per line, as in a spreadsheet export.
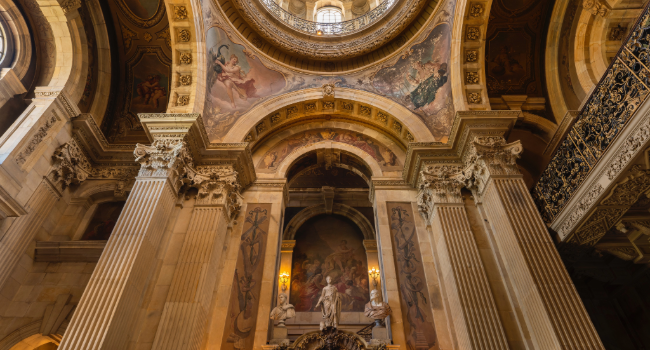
186	312
472	307
554	315
105	314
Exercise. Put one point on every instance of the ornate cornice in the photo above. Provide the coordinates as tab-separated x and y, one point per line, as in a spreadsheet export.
292	41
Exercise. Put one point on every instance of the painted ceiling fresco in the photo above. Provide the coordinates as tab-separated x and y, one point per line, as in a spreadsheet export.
238	80
142	82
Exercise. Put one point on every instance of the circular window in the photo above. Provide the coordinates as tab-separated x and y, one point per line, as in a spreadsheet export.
329	15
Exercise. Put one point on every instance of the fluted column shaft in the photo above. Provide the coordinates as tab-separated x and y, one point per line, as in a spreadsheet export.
103	319
556	316
185	315
473	310
472	307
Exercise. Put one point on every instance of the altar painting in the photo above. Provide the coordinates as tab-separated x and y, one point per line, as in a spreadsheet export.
329	245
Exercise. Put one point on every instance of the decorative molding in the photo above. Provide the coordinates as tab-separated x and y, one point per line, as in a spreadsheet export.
36	140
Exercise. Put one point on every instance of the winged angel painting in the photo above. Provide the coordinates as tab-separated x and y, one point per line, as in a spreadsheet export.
237	80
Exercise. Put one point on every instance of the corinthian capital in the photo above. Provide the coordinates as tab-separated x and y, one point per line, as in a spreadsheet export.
218	185
438	184
164	158
488	156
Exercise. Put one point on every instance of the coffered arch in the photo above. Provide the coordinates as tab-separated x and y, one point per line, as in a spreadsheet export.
408	122
285	165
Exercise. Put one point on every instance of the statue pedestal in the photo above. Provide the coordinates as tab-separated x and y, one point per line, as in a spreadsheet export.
280	336
380	333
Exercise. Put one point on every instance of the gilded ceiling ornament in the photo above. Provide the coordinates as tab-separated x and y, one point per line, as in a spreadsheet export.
184	35
185	80
473	33
260	128
328	90
471	55
127	36
382	117
328	105
474	97
292	111
471	77
409	137
476	10
365	111
185	58
275	118
147	36
617	33
248	138
165	35
183	100
310	107
348	106
180	13
397	126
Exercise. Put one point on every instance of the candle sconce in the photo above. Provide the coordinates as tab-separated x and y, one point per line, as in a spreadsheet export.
284	278
374	273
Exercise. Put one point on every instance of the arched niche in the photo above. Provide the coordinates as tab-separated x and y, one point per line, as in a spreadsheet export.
329	246
337	209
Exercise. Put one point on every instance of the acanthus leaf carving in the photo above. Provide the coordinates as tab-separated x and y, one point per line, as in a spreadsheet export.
71	166
438	184
164	158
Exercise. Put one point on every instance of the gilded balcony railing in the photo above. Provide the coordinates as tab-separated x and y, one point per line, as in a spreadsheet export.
317	28
624	87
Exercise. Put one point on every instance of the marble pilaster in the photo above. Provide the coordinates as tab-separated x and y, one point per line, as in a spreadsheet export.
555	317
471	303
110	304
186	311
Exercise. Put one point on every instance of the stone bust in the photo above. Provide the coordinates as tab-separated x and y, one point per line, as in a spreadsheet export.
376	309
283	311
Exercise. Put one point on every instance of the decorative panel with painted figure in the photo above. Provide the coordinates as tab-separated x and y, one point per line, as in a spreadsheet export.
414	295
247	284
329	246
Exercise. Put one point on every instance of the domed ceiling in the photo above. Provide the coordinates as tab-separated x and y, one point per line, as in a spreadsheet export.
252	57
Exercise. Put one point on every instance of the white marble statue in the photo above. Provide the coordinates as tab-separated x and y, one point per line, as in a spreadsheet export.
376	309
330	302
283	311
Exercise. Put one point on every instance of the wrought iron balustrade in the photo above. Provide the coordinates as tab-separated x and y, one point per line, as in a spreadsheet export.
624	87
318	28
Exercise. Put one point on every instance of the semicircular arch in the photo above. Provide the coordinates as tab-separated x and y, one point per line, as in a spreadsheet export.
284	166
239	130
337	209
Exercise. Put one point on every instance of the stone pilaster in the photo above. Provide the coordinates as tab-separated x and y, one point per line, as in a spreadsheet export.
472	307
186	311
555	316
70	167
105	314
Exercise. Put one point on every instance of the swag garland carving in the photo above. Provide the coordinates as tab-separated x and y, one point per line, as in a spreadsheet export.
611	106
217	185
